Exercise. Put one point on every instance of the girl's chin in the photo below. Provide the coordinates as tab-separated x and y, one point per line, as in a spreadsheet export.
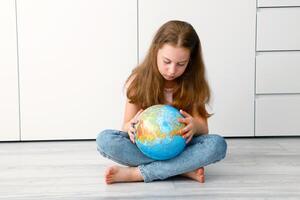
169	78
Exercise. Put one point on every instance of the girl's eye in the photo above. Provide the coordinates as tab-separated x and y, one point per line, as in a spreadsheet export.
181	65
166	62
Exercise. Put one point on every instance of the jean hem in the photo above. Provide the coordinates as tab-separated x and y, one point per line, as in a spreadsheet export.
144	174
111	158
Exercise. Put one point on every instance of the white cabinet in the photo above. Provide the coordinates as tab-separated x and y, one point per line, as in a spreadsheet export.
9	104
74	59
278	68
227	32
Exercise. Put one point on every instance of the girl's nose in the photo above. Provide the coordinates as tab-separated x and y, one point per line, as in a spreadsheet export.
172	69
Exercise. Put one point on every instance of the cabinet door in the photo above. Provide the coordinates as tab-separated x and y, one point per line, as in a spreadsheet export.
278	72
277	3
278	29
9	105
277	115
74	58
227	32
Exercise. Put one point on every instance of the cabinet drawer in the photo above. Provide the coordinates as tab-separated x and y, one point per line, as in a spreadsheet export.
278	29
278	3
277	72
277	115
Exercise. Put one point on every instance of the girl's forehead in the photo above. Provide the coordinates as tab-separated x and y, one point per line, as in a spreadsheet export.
174	52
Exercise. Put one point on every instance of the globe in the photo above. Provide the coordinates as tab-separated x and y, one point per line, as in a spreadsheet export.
157	132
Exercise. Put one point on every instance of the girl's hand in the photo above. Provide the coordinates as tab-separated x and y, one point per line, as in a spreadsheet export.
132	123
190	129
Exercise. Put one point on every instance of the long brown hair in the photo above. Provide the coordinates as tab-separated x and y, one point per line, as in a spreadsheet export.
147	84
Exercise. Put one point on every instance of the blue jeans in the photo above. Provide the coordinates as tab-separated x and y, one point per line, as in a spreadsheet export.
200	151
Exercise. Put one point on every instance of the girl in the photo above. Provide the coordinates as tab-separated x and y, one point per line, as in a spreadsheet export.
172	73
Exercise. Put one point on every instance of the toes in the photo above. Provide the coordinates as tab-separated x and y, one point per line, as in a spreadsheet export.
202	179
200	174
108	180
108	172
109	175
200	171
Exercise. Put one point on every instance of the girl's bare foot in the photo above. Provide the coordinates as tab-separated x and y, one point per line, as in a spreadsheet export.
116	174
197	175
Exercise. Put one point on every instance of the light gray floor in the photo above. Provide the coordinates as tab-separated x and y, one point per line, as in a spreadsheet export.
260	168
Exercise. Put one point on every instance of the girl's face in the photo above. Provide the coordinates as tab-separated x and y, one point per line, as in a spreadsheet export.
172	61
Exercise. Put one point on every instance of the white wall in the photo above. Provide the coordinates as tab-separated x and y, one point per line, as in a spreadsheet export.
74	59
